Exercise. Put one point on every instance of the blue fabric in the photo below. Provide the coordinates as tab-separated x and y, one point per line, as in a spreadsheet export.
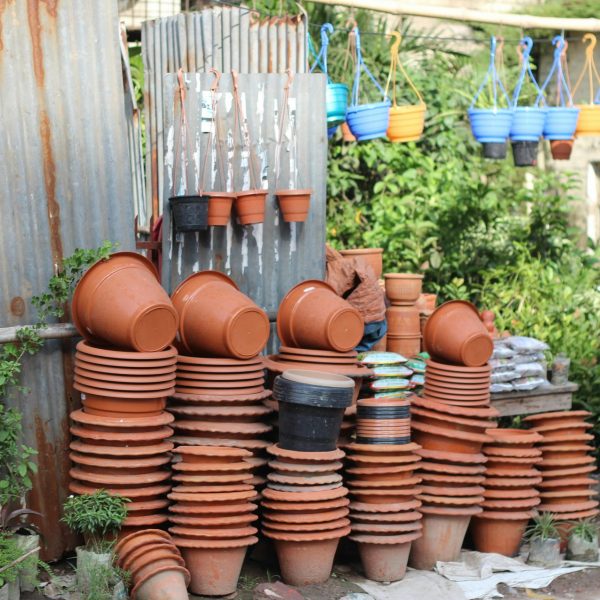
373	333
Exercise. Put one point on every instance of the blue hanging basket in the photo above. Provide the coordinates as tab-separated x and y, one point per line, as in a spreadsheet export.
336	94
366	121
491	125
561	120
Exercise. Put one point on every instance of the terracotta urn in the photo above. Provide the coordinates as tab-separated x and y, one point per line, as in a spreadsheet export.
120	302
217	319
294	204
403	289
372	257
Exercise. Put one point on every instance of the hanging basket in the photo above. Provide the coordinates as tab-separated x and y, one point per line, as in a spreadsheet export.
219	208
366	121
406	122
589	114
491	125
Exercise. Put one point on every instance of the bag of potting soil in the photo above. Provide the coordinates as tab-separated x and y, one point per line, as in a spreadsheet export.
417	379
525	345
498	388
381	358
528	358
502	351
504	376
392	371
533	369
417	365
397	394
501	364
526	384
390	383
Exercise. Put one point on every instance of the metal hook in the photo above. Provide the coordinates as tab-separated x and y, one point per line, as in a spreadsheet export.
215	85
591	38
181	84
326	27
290	79
396	45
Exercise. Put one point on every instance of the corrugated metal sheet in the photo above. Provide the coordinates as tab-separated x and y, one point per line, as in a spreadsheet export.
265	260
221	37
65	181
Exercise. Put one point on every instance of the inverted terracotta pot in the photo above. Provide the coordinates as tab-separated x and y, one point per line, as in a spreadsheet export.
296	456
367	256
442	539
312	315
106	406
450	422
319	527
289	467
250	206
220	508
217	319
562	472
449	479
294	204
457	411
162	582
520	437
284	518
307	507
510	493
454	332
120	302
403	288
502	536
547	417
219	207
447	440
403	320
427	468
136	540
508	451
505	482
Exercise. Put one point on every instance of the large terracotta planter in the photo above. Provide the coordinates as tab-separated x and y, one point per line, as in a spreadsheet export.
367	256
403	321
294	204
500	532
403	289
219	207
250	206
217	319
455	333
448	440
312	315
408	346
120	302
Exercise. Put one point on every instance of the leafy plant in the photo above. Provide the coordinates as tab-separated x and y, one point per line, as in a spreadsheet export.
98	517
586	529
543	528
101	583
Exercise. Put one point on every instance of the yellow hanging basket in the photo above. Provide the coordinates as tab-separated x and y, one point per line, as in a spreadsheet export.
406	122
589	114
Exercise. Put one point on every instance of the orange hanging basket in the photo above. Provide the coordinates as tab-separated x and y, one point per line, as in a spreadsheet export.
589	114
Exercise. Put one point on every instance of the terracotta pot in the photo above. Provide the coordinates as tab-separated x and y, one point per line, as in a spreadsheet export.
106	406
403	320
502	535
367	256
403	288
347	135
219	207
312	315
554	416
141	538
406	346
442	539
561	149
454	332
162	583
216	318
294	204
426	302
250	206
457	411
120	302
447	440
430	417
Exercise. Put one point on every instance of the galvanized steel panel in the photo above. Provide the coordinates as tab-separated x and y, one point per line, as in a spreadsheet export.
66	183
221	37
265	260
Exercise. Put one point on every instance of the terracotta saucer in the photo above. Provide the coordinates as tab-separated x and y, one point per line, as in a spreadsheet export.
95	391
305	517
222	427
283	496
388	533
566	482
215	508
217	468
87	348
357	485
213	391
93	367
439	366
583	514
304	527
205	379
458	491
380	403
216	533
158	389
190	488
462	511
145	520
151	437
201	499
306	507
390	471
324	353
429	499
383	459
96	361
569	507
559	414
147	505
437	378
503	462
218	362
479	393
313	536
186	370
443	407
204	454
118	463
207	387
212	544
247	444
432	435
509	437
303	489
304	457
437	478
512	472
400	517
396	507
426	415
428	467
586	492
81	474
563	427
127	492
121	451
452	457
462	404
511	482
382	449
210	478
455	397
305	480
567	438
273	363
510	494
102	378
513	504
510	452
318	360
305	468
568	472
218	521
566	462
81	416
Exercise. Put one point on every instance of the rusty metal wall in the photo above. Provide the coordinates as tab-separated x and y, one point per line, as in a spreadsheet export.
221	37
65	182
265	260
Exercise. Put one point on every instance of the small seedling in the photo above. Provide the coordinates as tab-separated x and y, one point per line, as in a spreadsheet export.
543	528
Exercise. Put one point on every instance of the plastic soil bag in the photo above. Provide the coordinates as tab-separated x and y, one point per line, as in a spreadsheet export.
502	351
533	369
528	358
391	383
396	394
504	376
381	358
526	384
501	364
392	371
417	365
525	345
417	379
499	388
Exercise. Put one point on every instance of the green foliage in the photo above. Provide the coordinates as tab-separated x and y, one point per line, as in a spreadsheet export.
96	516
586	529
9	552
543	528
102	580
575	9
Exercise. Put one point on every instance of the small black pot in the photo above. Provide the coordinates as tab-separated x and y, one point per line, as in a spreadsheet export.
382	441
383	413
525	153
190	213
310	416
494	150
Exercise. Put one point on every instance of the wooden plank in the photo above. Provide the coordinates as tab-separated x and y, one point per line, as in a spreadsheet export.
543	399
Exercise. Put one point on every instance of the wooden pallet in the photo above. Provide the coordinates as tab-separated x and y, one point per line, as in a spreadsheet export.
543	399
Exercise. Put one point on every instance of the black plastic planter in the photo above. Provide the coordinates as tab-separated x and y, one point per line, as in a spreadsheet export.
494	150
190	213
310	415
525	153
383	413
383	441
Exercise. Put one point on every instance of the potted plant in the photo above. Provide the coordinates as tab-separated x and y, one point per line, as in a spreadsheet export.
491	125
583	541
544	541
98	518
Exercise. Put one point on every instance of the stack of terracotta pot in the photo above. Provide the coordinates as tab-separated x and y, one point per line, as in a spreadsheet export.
425	305
220	390
211	515
383	484
383	421
304	512
156	566
510	493
404	325
567	489
124	370
450	424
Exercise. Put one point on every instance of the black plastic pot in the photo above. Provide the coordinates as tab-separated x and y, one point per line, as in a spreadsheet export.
190	213
525	153
383	413
383	441
494	150
310	416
